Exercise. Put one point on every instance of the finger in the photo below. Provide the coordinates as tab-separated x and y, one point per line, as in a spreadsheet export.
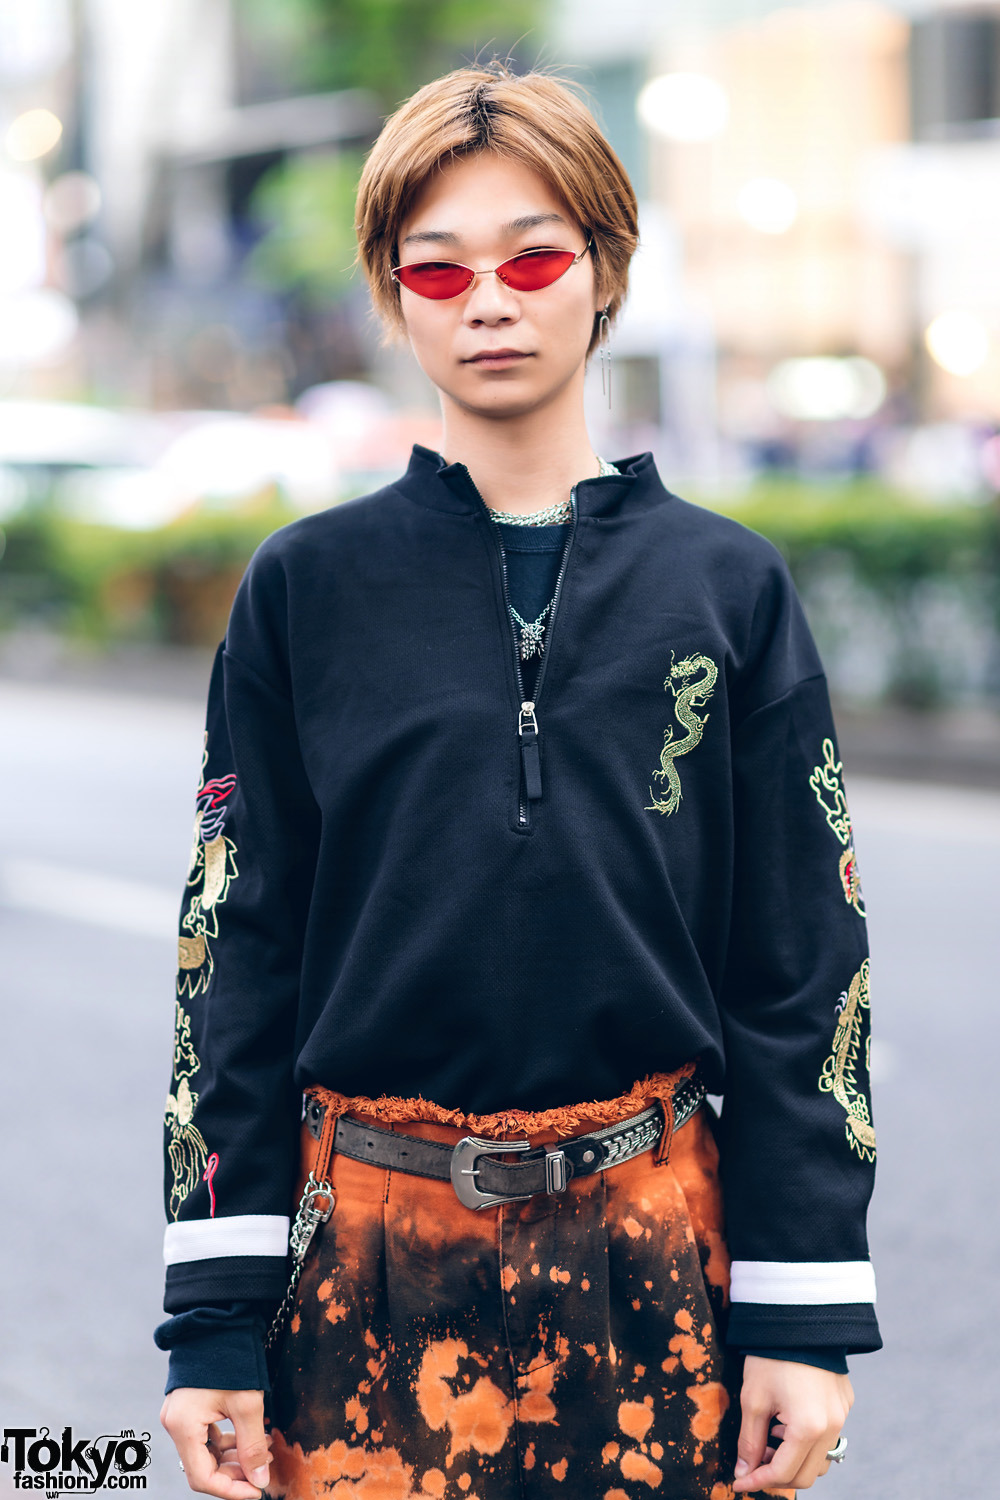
226	1446
752	1441
204	1475
816	1464
247	1417
795	1465
229	1463
227	1439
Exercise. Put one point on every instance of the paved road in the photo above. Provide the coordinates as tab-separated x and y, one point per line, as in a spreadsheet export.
97	798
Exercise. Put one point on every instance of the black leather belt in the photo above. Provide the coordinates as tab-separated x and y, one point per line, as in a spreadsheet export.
481	1182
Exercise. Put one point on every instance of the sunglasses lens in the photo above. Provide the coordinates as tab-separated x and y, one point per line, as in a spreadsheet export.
435	278
535	269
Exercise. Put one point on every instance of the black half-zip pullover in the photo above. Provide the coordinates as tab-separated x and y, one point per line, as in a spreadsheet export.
389	896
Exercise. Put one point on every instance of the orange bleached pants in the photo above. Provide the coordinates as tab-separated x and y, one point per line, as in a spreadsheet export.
565	1347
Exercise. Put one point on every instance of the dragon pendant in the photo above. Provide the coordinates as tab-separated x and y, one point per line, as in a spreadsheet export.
687	697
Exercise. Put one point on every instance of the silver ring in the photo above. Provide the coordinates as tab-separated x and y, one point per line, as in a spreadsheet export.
838	1452
180	1463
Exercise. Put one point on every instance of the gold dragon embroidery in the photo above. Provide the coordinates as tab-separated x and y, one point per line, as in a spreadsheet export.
211	870
187	1150
687	697
829	791
839	1072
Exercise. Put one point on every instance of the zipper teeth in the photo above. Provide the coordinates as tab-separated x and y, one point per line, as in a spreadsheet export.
522	810
510	622
498	542
555	595
498	539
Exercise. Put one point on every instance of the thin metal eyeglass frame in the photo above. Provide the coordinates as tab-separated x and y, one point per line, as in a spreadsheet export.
495	271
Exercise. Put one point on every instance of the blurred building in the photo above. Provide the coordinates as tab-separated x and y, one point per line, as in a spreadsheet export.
821	185
819	206
936	198
164	125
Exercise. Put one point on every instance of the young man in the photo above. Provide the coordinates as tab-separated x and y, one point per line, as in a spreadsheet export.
521	820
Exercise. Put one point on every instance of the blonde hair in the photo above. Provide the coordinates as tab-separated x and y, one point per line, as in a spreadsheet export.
533	118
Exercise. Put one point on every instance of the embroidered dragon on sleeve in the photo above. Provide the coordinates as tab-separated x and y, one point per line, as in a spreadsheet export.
829	791
211	870
852	1051
186	1148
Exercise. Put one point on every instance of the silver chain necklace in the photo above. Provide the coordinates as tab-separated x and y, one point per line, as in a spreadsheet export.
532	633
549	515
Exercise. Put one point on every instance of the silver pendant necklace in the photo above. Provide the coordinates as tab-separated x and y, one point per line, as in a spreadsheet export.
533	632
531	635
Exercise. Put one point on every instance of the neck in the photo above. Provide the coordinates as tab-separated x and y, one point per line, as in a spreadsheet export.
520	464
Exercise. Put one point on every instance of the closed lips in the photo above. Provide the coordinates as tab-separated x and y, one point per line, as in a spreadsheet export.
497	354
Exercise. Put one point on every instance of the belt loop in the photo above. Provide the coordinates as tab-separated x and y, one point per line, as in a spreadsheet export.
321	1166
662	1153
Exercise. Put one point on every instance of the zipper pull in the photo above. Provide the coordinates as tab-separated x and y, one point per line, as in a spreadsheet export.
527	729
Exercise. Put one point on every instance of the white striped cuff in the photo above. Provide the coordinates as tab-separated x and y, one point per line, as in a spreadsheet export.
802	1281
211	1239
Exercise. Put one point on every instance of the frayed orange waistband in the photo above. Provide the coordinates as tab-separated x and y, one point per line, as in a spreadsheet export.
564	1118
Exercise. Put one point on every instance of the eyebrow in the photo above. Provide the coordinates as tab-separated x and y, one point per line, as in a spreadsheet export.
515	226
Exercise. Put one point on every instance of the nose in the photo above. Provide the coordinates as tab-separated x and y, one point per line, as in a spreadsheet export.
490	302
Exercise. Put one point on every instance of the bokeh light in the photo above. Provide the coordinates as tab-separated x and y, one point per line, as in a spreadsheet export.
958	341
36	327
768	205
825	389
229	457
33	134
22	240
72	201
684	107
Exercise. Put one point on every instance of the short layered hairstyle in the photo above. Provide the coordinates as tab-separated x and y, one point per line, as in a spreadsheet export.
534	118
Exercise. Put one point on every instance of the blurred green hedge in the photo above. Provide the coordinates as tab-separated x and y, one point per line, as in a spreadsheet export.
891	539
172	584
175	584
907	587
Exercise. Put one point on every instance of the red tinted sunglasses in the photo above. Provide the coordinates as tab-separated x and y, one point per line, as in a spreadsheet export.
527	272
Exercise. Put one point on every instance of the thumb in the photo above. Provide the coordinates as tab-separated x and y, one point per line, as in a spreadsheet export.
247	1416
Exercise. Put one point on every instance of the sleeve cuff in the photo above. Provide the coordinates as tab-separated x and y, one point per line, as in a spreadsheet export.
217	1348
834	1360
851	1326
226	1279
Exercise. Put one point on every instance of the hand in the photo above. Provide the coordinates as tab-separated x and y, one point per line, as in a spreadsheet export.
231	1465
811	1406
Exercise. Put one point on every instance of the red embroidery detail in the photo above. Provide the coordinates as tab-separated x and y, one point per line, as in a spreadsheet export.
212	801
217	790
210	1169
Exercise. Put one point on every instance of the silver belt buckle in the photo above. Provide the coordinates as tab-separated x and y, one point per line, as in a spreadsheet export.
464	1170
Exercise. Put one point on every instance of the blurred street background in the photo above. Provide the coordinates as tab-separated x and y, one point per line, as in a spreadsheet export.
188	360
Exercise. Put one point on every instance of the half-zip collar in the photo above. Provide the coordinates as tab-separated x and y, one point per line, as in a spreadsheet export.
448	487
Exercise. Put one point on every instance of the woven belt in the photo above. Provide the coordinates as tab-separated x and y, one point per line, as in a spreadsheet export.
481	1182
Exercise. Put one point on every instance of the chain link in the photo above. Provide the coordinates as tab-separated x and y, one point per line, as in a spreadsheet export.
308	1218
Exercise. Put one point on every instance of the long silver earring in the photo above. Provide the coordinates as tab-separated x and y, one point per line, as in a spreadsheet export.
604	336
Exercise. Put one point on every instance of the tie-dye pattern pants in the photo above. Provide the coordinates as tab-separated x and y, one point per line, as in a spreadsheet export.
564	1347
